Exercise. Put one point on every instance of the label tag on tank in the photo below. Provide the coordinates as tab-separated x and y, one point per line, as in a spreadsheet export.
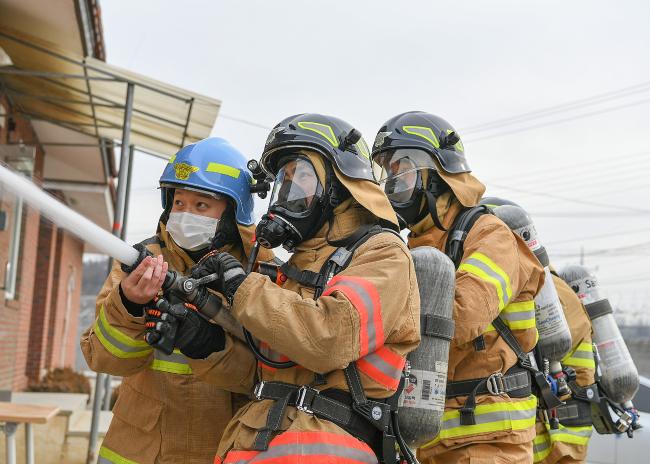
586	289
549	316
529	234
426	389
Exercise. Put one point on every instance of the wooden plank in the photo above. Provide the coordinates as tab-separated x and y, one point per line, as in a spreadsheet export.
35	414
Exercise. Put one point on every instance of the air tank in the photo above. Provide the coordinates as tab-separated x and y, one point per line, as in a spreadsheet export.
619	376
554	334
422	401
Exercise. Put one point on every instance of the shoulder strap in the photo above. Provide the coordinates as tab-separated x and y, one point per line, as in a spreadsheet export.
459	230
337	261
155	240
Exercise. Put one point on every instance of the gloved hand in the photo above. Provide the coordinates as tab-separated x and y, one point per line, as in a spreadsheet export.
193	335
231	273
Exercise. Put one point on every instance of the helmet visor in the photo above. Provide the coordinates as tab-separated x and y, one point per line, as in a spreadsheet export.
400	175
296	187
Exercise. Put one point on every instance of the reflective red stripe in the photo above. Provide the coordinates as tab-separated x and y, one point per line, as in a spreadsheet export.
384	366
269	352
364	297
307	447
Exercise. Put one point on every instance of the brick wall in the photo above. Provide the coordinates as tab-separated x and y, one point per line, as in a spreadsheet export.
50	261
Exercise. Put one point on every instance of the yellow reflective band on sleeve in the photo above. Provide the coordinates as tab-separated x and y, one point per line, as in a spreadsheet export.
572	435
495	417
321	129
175	363
583	356
541	447
117	343
425	132
107	456
223	169
487	270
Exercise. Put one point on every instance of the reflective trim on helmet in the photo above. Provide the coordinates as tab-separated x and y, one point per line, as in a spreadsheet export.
223	169
172	159
321	129
424	132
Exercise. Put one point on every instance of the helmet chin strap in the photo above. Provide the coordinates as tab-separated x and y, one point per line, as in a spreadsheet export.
435	188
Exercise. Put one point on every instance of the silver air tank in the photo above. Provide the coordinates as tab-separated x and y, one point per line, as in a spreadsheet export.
554	334
422	401
619	375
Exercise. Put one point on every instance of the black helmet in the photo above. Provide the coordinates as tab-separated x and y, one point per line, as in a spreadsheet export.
493	202
332	137
424	131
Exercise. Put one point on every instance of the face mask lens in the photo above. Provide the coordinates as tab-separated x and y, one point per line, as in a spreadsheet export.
296	186
399	178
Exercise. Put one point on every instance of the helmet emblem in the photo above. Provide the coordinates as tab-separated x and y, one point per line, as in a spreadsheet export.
381	136
273	133
183	170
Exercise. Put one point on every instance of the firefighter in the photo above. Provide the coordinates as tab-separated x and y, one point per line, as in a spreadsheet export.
336	328
568	443
566	440
164	413
490	410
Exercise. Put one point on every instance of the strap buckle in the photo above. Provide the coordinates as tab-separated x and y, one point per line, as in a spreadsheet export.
257	391
495	384
302	395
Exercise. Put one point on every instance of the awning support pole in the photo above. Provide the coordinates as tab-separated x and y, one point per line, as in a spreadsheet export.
118	223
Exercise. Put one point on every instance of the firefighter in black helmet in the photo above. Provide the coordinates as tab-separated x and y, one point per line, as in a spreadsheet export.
426	176
345	310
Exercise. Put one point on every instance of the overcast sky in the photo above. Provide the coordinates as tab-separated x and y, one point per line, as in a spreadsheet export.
582	170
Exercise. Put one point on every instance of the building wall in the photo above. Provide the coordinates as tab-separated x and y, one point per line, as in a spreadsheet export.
33	324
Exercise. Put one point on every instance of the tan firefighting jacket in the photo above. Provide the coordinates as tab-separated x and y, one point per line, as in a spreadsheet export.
164	413
368	314
553	445
498	276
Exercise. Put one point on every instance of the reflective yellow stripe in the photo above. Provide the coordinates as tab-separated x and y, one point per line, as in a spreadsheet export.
517	316
117	343
223	169
107	456
583	356
175	363
487	270
573	435
541	447
495	417
172	159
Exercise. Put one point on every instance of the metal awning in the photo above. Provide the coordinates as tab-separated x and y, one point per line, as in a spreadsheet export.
89	96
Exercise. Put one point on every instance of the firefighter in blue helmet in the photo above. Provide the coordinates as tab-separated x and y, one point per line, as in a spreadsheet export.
164	414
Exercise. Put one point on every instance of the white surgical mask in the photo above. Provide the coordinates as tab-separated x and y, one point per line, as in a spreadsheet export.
191	231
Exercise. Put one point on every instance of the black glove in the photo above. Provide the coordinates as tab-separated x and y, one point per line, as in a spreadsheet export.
184	328
230	271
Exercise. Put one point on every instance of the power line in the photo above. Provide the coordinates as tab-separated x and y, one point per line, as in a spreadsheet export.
575	104
593	164
557	121
573	200
246	121
594	237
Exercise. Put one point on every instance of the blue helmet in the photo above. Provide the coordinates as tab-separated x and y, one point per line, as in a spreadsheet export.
211	165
